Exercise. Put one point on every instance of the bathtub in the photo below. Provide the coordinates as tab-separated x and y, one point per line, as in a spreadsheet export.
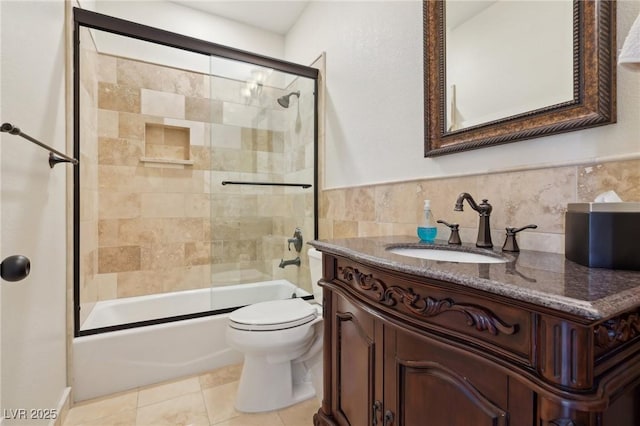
115	361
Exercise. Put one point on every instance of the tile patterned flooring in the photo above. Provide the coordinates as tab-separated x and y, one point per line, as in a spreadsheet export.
203	400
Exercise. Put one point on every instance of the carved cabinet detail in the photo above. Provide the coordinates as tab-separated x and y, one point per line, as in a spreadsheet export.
478	317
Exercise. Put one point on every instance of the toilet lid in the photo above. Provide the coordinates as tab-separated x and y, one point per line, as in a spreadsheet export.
273	315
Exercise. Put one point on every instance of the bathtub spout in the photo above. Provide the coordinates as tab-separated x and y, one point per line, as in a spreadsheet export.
284	263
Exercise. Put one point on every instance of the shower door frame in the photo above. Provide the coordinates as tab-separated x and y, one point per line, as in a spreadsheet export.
101	22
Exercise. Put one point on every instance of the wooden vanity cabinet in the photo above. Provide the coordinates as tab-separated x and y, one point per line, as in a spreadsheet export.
429	385
402	351
382	372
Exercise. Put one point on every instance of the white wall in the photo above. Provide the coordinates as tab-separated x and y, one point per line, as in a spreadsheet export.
33	205
186	21
183	20
497	48
375	129
373	86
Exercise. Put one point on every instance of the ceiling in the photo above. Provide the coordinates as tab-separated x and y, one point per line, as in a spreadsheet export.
461	11
277	16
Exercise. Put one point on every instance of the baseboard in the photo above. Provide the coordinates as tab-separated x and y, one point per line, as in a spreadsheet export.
63	408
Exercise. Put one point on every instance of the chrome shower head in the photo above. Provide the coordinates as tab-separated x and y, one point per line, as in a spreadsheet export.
284	100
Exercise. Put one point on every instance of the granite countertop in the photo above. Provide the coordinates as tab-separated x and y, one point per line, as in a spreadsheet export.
544	279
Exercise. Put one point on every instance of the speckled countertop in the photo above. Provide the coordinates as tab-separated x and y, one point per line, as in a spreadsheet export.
545	279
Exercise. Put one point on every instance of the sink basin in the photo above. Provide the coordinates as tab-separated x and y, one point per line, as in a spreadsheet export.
432	253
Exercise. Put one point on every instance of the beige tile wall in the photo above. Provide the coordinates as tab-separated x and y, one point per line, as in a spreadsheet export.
518	198
153	229
267	148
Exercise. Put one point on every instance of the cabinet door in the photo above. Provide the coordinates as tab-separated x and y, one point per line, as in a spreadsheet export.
354	364
436	386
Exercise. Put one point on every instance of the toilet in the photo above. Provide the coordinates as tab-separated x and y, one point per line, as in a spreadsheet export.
282	345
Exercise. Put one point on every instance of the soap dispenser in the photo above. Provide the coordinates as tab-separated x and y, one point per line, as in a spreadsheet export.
428	231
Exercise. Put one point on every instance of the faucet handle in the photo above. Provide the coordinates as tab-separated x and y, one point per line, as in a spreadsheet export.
454	238
296	240
510	243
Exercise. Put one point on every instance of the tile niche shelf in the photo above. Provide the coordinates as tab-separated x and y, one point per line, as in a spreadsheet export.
164	144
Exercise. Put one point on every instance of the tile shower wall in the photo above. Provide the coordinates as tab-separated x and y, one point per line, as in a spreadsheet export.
155	215
153	162
251	224
518	198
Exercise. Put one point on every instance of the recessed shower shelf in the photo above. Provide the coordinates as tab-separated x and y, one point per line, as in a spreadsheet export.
167	144
166	161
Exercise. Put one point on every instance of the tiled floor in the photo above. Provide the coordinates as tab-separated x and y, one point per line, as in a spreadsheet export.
204	400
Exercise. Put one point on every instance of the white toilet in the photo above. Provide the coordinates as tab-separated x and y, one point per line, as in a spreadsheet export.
282	345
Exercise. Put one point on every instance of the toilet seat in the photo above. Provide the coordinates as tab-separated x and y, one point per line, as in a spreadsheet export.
273	315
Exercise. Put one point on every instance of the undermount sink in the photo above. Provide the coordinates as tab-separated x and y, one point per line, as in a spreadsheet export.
433	253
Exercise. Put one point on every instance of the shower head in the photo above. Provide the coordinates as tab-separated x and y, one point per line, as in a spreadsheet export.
284	100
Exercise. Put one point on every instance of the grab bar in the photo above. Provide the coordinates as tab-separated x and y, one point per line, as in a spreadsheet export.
232	182
55	156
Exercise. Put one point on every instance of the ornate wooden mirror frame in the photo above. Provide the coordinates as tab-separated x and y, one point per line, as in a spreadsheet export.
594	85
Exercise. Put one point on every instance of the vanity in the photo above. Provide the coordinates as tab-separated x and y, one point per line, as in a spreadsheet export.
534	339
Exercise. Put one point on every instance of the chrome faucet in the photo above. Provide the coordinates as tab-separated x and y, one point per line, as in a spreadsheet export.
284	263
484	210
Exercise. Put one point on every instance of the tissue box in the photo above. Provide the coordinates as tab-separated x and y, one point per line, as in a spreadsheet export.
603	235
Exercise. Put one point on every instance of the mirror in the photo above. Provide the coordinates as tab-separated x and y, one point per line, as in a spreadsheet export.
484	83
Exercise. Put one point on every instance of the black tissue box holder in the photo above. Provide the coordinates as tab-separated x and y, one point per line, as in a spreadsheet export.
603	235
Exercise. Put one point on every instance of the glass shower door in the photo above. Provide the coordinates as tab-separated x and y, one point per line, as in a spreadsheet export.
263	147
144	163
196	171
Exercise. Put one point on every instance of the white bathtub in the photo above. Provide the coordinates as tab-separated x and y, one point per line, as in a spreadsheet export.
114	361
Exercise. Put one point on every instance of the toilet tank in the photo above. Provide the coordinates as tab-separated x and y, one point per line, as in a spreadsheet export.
315	266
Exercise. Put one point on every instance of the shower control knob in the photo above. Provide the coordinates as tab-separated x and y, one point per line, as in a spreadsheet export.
15	268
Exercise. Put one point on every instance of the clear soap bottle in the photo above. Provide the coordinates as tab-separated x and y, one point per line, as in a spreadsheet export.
428	231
